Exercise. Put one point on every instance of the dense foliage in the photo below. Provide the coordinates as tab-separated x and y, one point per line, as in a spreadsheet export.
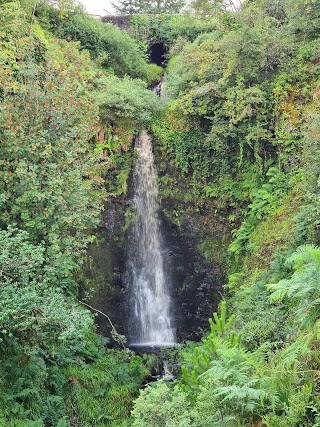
62	124
108	46
238	138
151	7
241	126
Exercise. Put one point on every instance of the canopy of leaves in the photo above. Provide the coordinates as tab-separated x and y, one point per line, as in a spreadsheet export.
51	196
34	309
168	28
126	100
150	7
110	47
242	116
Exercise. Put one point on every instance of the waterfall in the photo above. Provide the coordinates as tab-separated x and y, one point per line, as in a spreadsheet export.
150	302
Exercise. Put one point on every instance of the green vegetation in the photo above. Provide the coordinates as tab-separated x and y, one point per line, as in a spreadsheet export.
66	115
241	127
237	138
108	46
223	383
171	29
135	7
101	394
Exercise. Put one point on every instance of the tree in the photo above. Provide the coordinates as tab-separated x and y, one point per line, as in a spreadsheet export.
49	177
130	7
210	7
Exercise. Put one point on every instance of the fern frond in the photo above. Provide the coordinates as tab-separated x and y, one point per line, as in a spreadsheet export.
304	254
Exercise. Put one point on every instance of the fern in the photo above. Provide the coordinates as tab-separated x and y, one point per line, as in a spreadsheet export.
305	254
303	288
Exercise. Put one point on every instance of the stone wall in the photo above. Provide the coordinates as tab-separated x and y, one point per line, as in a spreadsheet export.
122	21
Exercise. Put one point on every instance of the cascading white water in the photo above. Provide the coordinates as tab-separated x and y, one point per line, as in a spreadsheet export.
150	299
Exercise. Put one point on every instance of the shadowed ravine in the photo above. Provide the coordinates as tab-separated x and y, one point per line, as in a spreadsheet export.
150	302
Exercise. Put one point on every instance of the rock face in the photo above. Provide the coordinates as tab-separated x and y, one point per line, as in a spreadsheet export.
196	283
193	239
105	268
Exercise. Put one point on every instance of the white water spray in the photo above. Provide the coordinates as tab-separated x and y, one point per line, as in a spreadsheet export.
150	299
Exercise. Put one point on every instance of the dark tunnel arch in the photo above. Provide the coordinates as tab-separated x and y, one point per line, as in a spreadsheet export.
157	52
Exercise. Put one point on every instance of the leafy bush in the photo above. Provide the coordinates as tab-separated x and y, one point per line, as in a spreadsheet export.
50	183
108	45
222	383
102	393
267	197
168	28
259	319
301	290
126	101
154	74
162	406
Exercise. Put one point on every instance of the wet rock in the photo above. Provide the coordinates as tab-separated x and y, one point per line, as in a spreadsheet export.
196	279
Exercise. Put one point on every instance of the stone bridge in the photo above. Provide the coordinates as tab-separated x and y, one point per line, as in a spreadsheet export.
121	21
156	49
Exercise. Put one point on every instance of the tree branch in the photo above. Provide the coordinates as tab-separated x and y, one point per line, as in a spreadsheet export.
4	273
115	334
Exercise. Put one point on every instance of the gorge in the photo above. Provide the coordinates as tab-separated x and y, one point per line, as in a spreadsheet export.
130	223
